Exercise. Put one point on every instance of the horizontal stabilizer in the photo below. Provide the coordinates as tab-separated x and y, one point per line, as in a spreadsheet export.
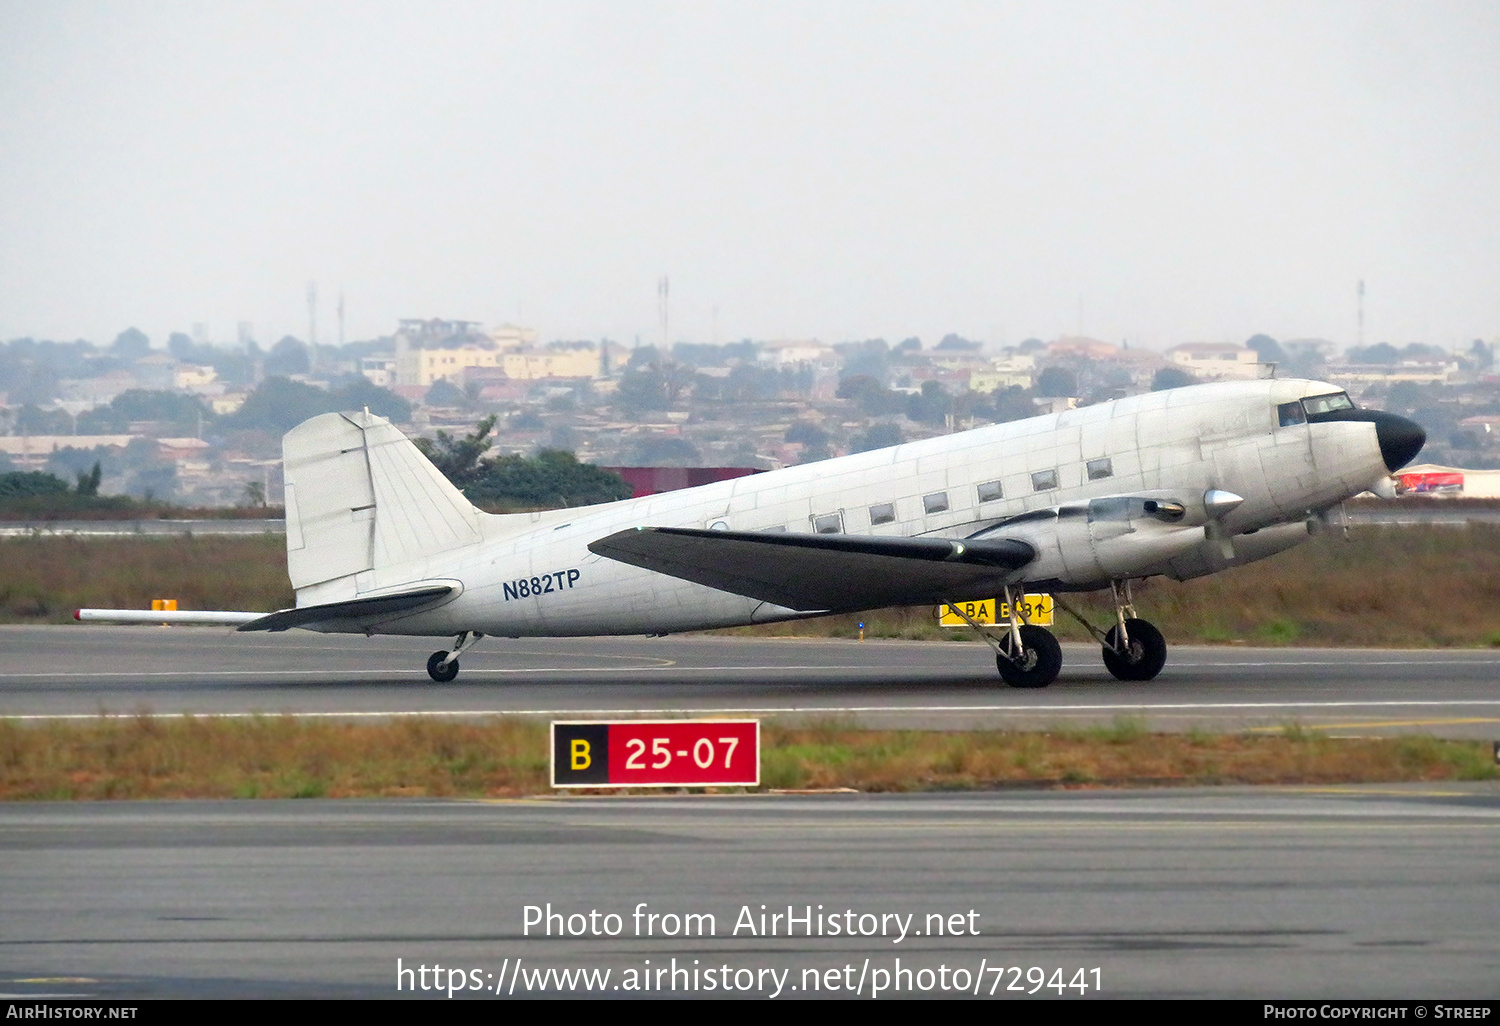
834	572
208	617
353	609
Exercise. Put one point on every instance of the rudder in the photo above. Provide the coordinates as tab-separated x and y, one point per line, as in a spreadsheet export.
360	496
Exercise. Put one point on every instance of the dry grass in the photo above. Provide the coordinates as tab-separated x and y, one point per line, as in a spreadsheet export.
284	757
1388	586
1123	754
45	579
270	757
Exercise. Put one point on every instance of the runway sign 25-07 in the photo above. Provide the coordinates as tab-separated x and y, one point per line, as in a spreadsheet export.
671	753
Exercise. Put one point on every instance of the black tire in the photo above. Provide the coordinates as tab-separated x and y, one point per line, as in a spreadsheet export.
441	674
1039	662
1147	654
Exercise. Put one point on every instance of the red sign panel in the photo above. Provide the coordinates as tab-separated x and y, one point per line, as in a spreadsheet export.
670	753
1430	482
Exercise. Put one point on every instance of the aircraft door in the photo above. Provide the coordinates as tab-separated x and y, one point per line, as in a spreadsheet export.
1287	460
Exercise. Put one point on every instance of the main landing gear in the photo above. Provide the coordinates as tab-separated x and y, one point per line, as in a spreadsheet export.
1026	655
1133	649
443	666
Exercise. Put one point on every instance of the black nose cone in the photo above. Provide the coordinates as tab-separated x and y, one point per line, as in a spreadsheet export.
1400	440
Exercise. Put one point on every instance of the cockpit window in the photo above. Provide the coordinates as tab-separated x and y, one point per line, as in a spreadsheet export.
1291	413
1316	404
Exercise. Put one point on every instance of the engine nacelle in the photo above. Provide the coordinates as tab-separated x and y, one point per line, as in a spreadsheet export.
1208	556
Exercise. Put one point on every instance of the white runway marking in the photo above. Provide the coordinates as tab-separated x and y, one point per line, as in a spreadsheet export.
676	712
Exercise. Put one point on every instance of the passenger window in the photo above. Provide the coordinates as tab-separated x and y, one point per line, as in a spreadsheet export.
936	502
1100	469
990	491
1043	480
883	513
828	523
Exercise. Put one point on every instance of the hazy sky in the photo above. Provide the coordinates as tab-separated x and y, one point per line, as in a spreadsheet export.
1147	171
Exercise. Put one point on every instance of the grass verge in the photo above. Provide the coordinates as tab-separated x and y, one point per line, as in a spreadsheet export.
284	757
44	579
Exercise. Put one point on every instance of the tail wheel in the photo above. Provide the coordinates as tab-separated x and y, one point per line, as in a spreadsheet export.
438	672
1037	664
1143	658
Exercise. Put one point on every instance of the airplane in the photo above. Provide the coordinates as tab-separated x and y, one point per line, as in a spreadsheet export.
1177	483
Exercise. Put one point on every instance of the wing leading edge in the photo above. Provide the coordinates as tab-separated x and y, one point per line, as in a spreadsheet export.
815	572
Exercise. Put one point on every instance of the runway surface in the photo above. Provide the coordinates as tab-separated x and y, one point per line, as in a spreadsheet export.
1349	893
85	670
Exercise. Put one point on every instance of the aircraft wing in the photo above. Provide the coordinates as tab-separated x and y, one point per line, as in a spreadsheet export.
352	609
834	572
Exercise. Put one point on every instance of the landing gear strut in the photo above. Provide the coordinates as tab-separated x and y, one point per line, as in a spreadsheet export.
1133	649
1026	655
443	666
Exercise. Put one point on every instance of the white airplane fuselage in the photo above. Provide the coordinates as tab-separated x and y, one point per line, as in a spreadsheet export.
534	575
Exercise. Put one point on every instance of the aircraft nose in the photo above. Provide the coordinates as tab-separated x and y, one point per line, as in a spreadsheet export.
1400	440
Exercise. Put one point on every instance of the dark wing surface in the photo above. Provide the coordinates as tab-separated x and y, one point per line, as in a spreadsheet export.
834	572
353	609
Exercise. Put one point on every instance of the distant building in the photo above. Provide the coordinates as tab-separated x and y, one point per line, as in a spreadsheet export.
225	404
513	336
35	450
492	384
1054	404
157	372
434	350
99	391
1014	370
180	449
429	351
1077	345
790	353
379	370
1417	372
558	360
1216	361
958	359
191	377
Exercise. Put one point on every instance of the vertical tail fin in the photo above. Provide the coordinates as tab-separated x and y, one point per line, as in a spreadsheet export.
360	496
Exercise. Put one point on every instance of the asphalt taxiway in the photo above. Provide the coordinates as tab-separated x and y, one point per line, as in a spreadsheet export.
84	671
1286	892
